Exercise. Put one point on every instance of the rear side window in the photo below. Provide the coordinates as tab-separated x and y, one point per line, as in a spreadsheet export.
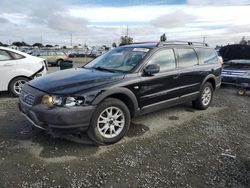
51	53
187	58
4	55
165	58
16	55
60	53
206	56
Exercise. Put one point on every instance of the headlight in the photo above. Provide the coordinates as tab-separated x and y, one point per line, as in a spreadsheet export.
74	101
62	101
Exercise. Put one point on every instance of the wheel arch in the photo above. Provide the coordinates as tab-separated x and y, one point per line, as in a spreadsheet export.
211	79
20	76
123	94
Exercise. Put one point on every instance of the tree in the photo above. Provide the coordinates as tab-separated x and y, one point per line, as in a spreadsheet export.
2	44
114	45
126	40
163	37
49	46
243	41
39	45
19	44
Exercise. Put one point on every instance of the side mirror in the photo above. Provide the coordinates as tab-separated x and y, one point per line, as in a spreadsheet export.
151	69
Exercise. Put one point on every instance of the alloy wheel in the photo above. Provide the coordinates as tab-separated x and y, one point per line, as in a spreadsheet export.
18	86
206	96
111	122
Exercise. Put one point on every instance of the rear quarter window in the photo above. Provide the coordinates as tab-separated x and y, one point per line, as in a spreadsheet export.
206	56
16	55
187	57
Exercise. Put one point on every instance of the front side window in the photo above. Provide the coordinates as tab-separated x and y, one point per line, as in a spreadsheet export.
206	56
119	59
4	55
43	53
187	58
164	58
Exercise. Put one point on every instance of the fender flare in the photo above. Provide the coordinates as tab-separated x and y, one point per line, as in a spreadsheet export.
207	78
120	90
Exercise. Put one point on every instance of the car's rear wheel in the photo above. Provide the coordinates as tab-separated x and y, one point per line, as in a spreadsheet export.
58	62
241	92
205	97
110	122
16	85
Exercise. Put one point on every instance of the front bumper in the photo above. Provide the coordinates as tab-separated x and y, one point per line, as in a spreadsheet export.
236	81
43	117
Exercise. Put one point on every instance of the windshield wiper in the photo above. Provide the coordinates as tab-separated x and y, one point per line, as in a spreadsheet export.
104	69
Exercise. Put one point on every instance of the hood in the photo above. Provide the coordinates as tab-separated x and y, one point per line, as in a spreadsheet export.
235	52
74	80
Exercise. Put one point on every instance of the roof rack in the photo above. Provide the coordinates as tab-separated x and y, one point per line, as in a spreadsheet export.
160	44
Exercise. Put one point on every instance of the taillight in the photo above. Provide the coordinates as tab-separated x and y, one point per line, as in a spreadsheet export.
45	64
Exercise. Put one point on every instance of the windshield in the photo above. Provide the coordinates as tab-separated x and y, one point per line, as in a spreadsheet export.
120	59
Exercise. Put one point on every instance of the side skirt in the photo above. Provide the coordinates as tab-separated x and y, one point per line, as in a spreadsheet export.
167	103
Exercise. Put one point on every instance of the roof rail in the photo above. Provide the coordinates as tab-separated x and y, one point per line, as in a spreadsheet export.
144	42
160	44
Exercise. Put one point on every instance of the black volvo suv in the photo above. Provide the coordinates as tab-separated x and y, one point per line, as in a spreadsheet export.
102	96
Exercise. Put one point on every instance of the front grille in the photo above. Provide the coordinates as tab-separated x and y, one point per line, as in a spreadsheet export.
27	98
233	73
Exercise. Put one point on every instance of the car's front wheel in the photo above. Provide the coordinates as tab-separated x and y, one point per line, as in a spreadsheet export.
16	85
110	122
205	97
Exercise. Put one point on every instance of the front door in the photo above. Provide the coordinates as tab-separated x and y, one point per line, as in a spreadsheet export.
162	86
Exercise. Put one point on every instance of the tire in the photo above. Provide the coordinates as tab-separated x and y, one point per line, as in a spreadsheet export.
16	85
116	127
205	97
241	92
58	62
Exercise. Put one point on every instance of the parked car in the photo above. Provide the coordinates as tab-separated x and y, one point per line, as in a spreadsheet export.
17	68
236	67
103	96
219	56
53	57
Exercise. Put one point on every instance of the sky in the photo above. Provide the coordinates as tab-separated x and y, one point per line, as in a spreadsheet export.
97	22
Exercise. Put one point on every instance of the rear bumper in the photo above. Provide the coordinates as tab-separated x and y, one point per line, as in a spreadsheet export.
58	117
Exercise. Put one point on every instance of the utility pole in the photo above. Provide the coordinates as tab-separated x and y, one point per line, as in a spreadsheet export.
71	39
204	40
41	39
127	31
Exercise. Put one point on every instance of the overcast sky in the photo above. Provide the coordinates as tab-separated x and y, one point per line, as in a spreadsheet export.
98	22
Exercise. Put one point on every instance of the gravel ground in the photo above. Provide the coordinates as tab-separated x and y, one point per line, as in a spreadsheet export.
177	147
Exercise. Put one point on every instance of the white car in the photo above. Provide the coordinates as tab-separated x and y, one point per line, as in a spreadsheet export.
17	68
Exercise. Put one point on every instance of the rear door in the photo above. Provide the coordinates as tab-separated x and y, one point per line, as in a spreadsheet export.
7	64
191	74
164	85
52	56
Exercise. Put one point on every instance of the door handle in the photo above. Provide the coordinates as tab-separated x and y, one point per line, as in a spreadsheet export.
7	65
176	76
